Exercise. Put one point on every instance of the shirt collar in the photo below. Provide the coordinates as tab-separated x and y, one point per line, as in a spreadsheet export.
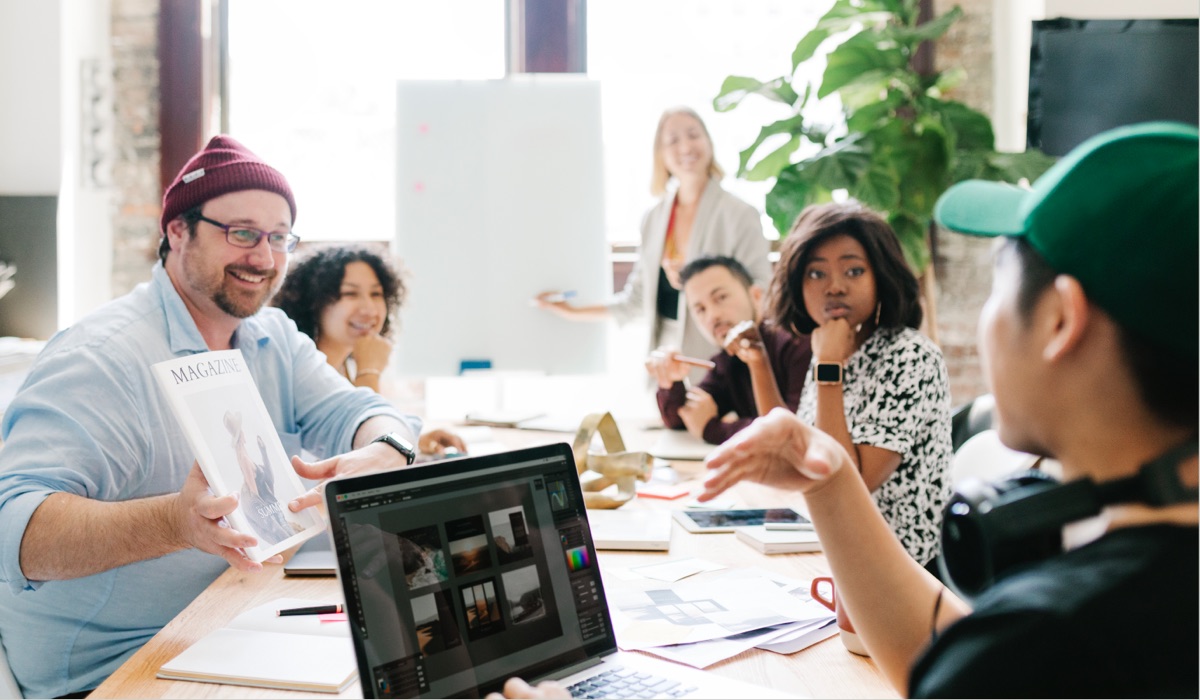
183	336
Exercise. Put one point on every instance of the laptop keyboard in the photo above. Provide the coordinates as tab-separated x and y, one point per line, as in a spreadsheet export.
627	683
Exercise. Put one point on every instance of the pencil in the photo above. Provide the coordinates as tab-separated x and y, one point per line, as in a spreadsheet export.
315	610
694	361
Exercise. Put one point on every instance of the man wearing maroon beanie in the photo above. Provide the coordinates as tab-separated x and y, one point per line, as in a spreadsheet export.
107	527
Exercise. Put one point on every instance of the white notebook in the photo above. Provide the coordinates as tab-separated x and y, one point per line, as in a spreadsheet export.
779	541
680	444
631	529
261	650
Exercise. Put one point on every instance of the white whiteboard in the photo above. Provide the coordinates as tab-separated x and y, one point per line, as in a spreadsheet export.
500	195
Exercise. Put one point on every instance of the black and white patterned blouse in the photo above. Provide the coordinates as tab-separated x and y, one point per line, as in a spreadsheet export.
897	396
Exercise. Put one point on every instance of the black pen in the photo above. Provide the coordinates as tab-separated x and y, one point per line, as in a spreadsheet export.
317	610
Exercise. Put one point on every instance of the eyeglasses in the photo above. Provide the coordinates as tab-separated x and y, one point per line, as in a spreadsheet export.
246	237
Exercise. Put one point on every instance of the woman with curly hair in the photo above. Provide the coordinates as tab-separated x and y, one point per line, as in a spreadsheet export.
344	298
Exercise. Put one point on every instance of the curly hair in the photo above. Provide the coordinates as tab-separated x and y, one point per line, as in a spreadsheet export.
314	282
895	285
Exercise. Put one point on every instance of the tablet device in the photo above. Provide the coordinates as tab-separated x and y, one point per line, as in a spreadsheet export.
727	520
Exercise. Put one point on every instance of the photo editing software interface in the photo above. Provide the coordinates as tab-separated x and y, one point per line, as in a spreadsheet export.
456	583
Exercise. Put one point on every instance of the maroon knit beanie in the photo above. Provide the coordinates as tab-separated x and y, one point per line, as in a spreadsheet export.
223	166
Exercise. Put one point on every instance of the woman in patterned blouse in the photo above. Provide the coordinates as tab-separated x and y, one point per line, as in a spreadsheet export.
878	385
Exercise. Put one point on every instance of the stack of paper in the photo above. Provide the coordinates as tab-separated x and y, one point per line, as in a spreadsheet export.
700	624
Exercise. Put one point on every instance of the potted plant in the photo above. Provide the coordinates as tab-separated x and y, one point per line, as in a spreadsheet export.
899	142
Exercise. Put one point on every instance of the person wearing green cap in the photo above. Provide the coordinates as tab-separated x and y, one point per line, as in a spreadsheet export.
1089	343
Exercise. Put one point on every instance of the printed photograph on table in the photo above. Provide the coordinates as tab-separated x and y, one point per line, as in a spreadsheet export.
468	545
482	609
423	558
510	535
523	589
433	618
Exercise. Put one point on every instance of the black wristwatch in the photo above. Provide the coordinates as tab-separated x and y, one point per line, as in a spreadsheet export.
827	373
402	445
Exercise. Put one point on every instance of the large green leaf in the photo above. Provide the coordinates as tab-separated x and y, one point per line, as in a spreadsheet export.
862	57
1029	165
737	87
787	198
773	162
913	240
842	16
879	187
808	46
921	155
791	125
972	130
871	115
836	167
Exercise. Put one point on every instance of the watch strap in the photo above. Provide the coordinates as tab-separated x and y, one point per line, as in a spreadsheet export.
400	443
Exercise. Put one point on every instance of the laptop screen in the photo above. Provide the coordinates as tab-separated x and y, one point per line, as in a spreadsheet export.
460	574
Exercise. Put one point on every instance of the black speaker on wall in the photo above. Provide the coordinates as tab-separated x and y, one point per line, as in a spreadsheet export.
1089	75
29	266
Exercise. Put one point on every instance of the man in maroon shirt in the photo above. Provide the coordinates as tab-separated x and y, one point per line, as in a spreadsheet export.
762	367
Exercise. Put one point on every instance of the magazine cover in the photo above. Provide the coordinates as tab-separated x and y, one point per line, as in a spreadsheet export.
217	404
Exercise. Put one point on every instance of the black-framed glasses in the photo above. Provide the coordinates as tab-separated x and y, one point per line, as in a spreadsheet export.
246	237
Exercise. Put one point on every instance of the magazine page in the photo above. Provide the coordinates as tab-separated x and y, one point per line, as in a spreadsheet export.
217	404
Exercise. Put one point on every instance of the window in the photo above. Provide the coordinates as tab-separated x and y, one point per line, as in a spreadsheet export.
653	54
312	88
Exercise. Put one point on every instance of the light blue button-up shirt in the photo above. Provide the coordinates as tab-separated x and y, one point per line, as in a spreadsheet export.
90	420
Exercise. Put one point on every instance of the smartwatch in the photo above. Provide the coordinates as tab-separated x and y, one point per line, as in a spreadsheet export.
402	445
827	373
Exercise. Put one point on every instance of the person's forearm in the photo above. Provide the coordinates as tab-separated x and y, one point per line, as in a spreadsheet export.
669	401
888	596
831	419
718	431
369	380
766	389
70	536
375	426
596	312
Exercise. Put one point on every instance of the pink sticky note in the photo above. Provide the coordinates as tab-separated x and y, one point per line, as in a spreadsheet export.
333	617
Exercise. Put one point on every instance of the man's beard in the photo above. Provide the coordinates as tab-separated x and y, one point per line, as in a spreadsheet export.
240	306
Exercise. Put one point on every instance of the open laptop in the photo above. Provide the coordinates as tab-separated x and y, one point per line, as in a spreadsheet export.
463	573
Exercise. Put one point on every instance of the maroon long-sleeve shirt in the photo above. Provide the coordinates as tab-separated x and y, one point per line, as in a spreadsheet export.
729	384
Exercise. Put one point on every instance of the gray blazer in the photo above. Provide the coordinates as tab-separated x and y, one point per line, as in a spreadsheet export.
725	225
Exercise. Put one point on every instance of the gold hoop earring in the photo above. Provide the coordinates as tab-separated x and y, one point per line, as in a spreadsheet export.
878	311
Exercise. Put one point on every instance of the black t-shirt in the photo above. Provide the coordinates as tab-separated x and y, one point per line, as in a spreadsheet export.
1115	618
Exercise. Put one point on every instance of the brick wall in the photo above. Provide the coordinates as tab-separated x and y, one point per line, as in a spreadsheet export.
136	141
963	264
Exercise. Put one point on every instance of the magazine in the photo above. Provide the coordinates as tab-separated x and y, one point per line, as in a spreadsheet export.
217	404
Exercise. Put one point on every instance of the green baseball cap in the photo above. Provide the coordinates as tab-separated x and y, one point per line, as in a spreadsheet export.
1121	214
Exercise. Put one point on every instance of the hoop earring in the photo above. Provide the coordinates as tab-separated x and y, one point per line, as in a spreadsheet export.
878	311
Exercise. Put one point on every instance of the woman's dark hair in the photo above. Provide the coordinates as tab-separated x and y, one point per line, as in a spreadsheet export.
315	281
1167	382
895	286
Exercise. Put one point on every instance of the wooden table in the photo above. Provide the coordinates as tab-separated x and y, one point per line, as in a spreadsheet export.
823	670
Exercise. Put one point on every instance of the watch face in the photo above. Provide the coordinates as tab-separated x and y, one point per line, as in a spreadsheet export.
829	372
